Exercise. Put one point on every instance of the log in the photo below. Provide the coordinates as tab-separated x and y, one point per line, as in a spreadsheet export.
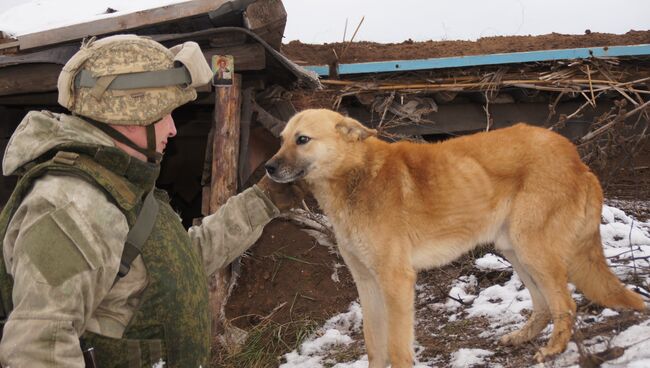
267	18
29	78
225	144
223	182
246	119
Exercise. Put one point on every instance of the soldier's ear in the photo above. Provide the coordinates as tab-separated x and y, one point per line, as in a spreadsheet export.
353	130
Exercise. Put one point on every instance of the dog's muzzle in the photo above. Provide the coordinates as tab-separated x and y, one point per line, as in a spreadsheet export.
281	173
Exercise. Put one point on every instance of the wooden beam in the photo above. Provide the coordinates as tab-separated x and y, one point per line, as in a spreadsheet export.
225	152
7	42
119	24
267	18
55	55
28	78
245	129
9	47
225	146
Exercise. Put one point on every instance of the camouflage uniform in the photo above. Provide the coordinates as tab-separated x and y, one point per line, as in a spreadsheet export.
62	248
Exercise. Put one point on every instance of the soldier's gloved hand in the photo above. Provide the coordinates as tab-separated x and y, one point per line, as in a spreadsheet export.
284	196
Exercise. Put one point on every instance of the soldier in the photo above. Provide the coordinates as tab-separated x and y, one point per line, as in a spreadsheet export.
95	259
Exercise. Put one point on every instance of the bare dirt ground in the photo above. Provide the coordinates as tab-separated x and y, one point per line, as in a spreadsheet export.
307	54
288	286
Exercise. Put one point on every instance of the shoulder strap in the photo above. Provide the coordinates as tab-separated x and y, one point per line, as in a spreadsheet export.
138	234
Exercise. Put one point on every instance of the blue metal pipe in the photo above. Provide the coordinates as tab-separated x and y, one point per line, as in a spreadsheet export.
490	59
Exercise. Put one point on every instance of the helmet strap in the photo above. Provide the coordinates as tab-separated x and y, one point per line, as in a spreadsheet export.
150	152
151	144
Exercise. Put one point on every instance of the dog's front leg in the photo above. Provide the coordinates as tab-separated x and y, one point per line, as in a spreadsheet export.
375	327
397	281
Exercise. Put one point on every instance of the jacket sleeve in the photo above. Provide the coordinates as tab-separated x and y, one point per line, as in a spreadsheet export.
226	234
61	270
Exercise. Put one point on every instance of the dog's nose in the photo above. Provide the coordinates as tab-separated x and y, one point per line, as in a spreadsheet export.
270	168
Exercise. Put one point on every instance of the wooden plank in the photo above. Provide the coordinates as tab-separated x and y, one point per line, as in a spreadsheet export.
118	24
267	18
56	55
245	129
225	145
9	47
7	43
28	78
225	152
250	56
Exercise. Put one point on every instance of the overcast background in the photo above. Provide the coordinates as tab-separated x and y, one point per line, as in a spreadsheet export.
318	21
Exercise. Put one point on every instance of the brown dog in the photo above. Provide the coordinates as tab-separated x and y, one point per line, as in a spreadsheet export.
402	207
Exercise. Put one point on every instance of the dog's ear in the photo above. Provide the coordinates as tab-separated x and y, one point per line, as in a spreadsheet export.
353	130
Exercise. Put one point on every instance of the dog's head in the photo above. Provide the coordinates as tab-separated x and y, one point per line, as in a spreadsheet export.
314	143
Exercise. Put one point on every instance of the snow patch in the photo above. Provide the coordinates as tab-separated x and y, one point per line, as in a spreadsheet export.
492	262
465	358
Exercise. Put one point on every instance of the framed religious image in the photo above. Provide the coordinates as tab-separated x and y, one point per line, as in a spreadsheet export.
223	69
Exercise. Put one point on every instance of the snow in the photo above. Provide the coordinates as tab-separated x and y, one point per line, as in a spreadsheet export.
492	262
636	340
504	306
335	332
465	358
332	337
29	16
463	290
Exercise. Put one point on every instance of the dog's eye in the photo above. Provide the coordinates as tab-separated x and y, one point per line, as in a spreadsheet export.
302	139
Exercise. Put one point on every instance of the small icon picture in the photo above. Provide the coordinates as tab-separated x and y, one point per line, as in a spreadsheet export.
223	68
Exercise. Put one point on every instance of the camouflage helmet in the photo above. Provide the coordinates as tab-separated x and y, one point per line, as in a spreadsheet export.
131	80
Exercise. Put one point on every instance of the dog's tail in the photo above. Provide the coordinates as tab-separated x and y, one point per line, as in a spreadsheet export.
588	269
592	276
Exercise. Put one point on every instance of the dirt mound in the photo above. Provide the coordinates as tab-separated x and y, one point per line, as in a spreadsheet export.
308	54
289	286
289	272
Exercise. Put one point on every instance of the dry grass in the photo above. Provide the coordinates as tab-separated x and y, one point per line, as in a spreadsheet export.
266	344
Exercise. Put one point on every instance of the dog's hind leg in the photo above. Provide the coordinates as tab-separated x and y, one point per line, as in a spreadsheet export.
540	316
375	325
534	249
397	281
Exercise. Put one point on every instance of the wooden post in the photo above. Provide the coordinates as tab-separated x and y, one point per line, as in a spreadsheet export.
223	183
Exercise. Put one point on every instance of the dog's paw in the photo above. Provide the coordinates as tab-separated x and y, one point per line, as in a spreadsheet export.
512	339
540	356
543	354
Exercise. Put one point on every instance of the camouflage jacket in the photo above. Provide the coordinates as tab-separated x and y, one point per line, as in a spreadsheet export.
54	306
